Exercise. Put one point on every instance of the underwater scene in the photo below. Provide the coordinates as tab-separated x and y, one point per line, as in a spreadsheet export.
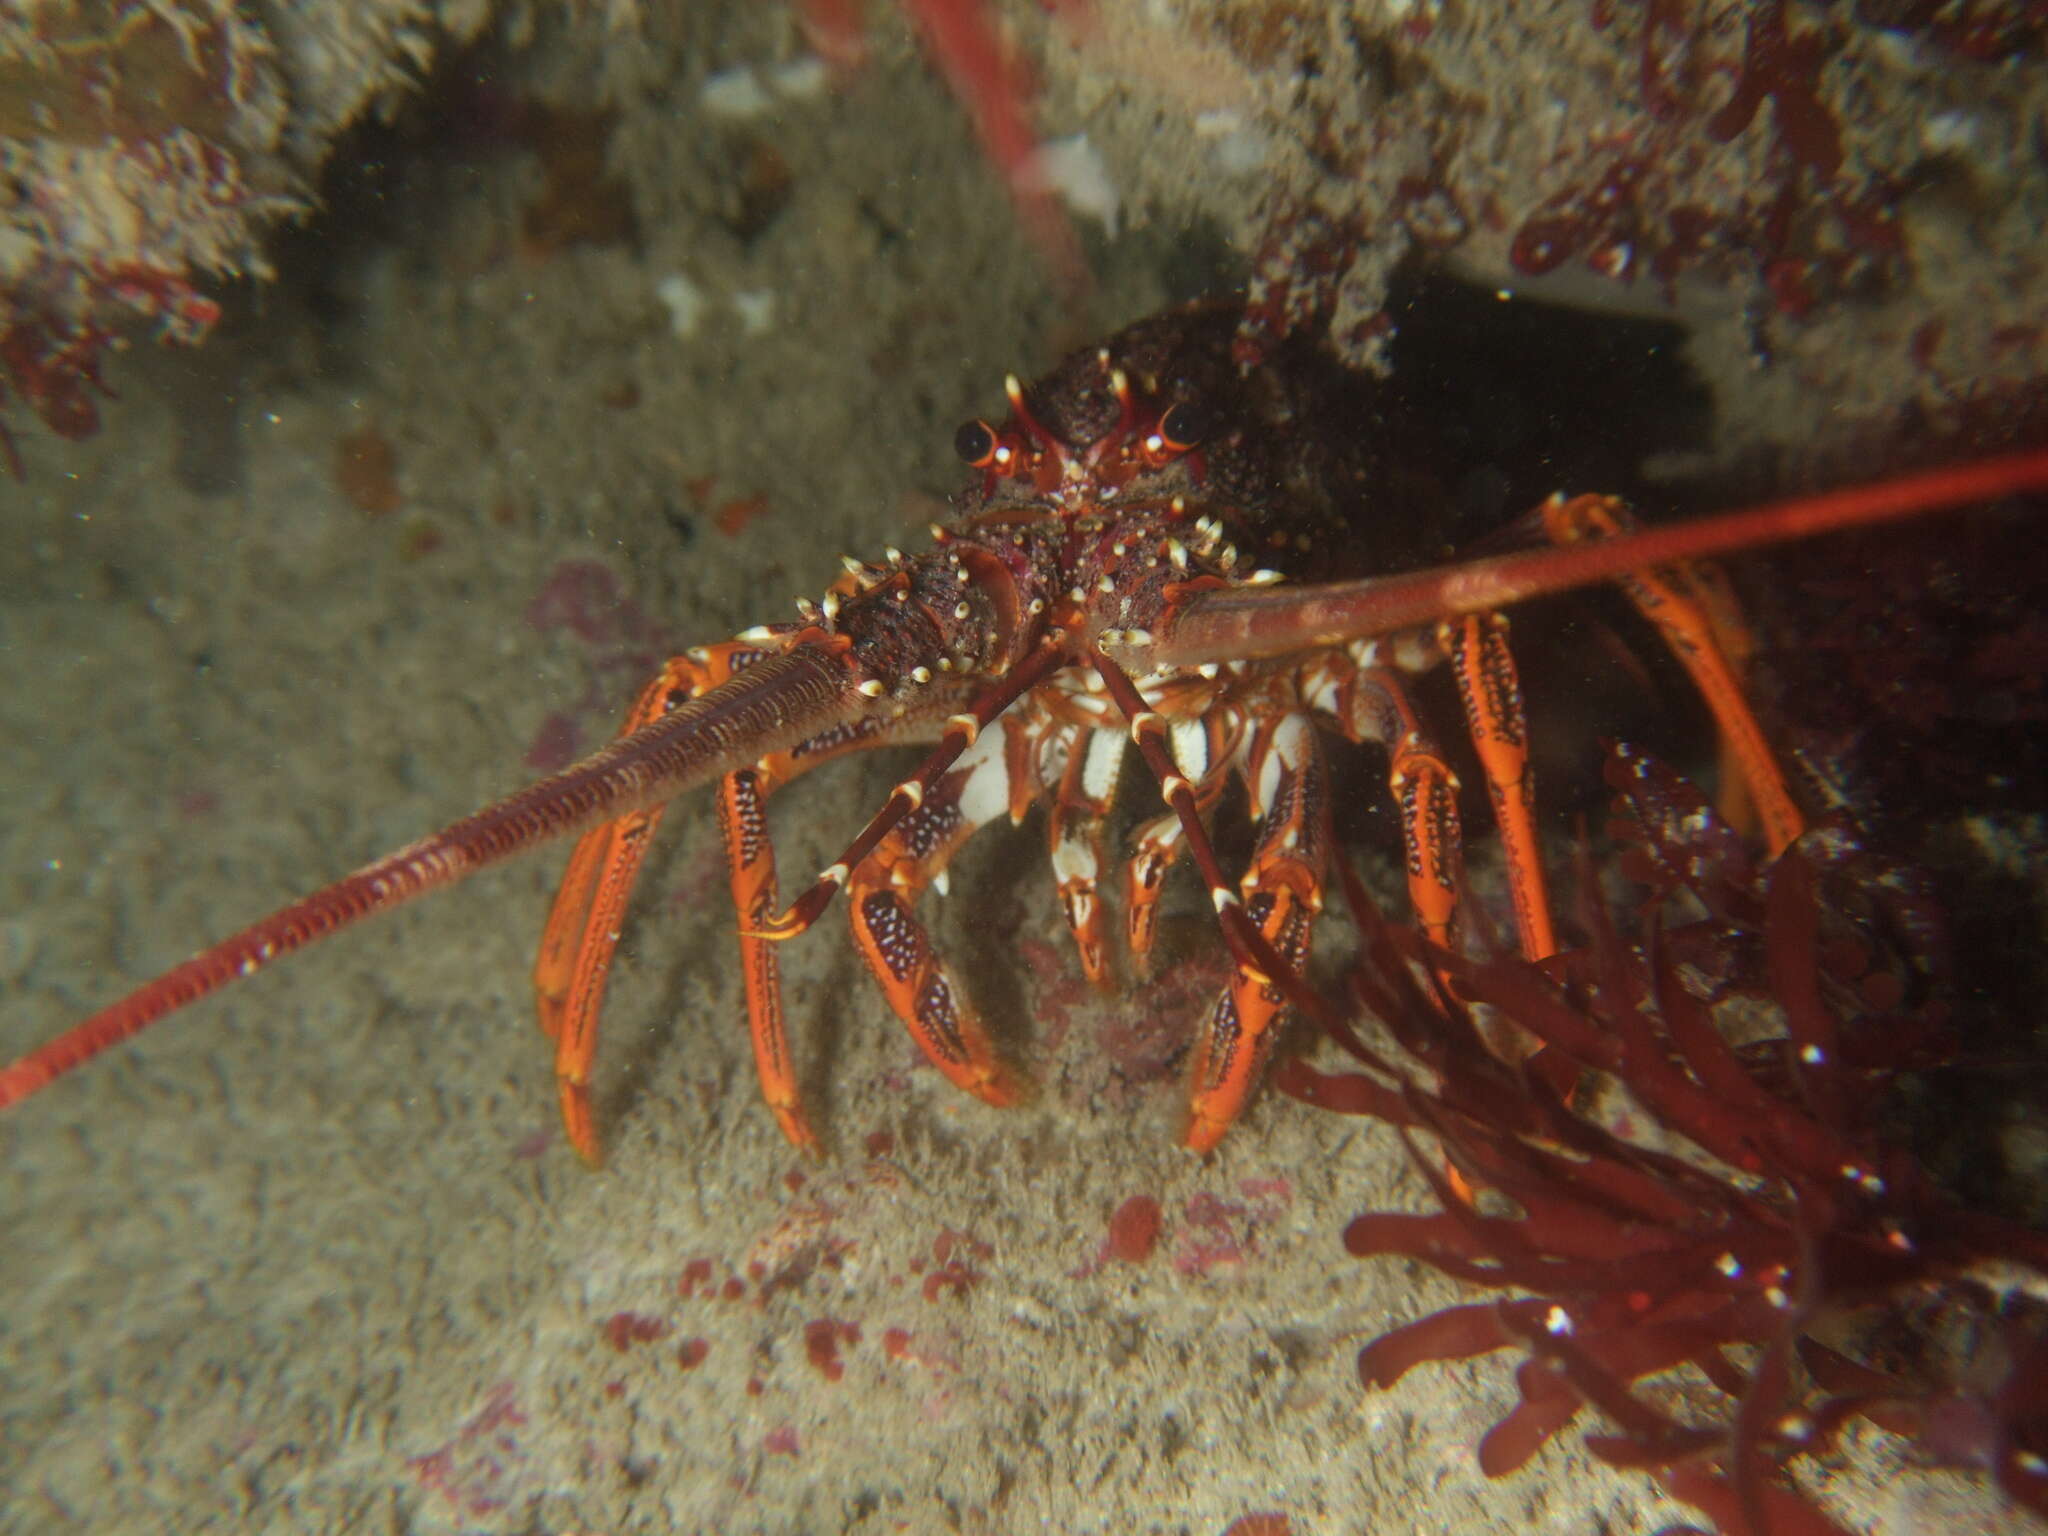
1423	628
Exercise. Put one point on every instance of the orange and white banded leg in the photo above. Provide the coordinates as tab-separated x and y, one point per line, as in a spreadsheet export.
884	888
1281	893
1692	614
1231	1057
1485	669
1094	763
1201	750
1156	847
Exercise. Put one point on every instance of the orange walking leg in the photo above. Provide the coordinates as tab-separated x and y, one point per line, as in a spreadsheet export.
750	863
1232	1056
1485	668
750	872
1281	893
1372	704
581	937
582	933
1201	751
1155	849
1676	599
883	889
1080	809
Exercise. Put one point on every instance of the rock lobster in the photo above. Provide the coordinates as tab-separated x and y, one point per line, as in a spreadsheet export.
1163	545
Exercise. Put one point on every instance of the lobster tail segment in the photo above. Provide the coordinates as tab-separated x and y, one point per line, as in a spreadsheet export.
775	703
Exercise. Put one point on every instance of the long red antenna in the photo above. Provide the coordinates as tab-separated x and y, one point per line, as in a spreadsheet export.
1237	623
773	704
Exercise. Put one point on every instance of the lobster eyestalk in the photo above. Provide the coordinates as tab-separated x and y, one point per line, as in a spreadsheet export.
773	704
1244	623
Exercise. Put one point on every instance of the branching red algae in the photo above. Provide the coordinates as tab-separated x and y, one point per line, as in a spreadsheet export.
1745	1214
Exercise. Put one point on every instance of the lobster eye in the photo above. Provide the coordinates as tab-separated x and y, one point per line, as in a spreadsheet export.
975	442
1185	424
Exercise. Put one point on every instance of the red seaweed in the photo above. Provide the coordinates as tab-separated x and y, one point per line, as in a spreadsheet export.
622	1330
1806	225
1134	1229
1785	70
1747	1201
822	1339
57	375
